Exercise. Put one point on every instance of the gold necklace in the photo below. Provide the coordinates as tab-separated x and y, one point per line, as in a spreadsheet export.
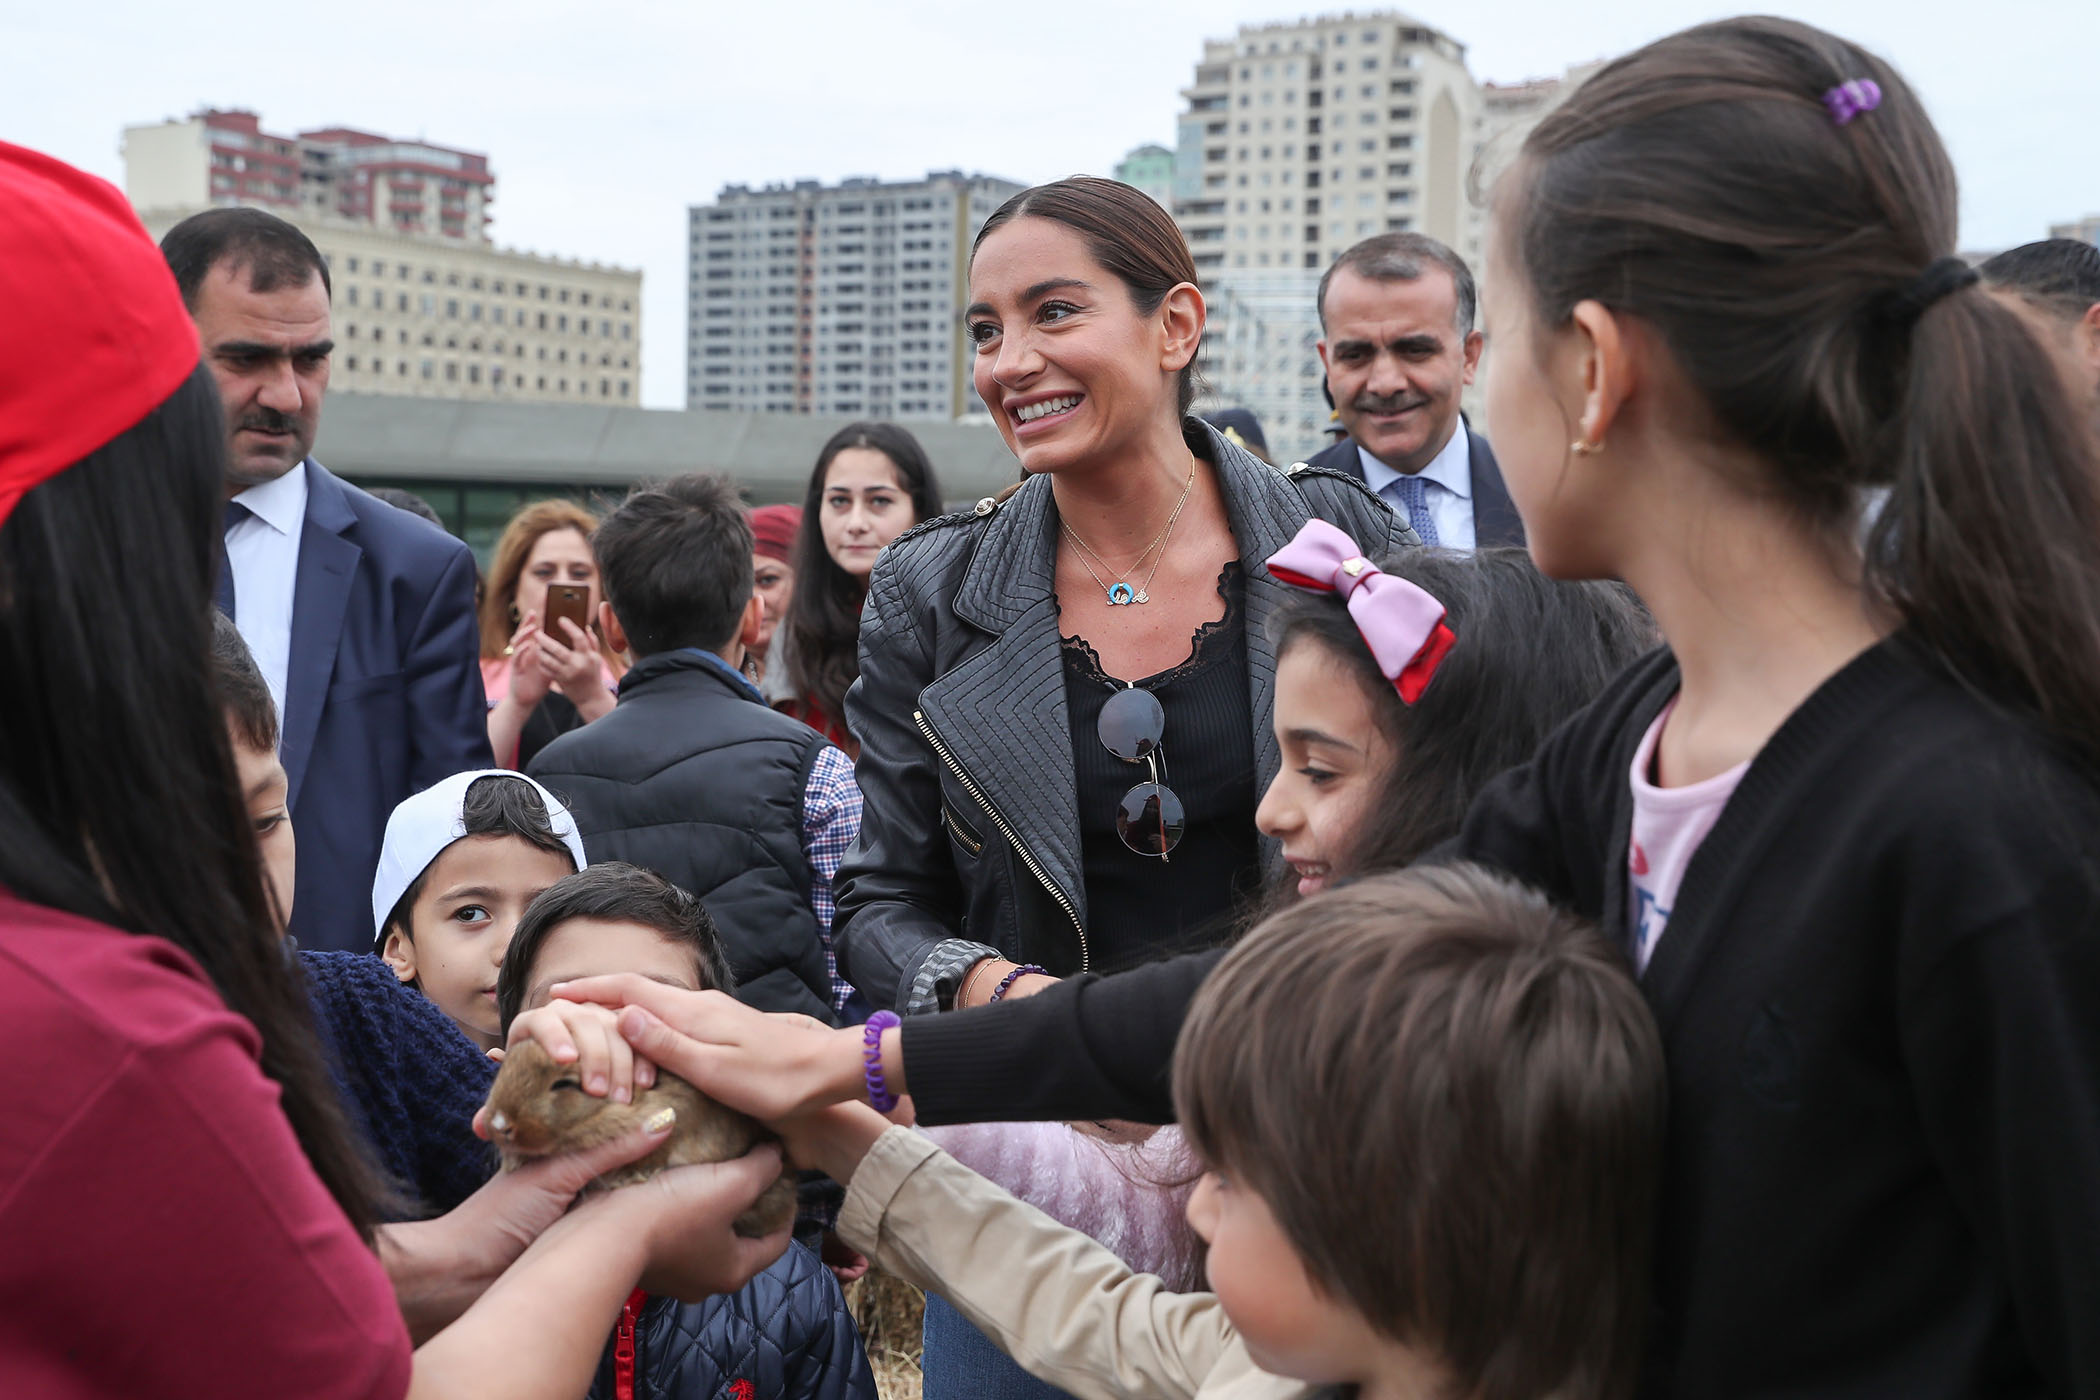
1120	593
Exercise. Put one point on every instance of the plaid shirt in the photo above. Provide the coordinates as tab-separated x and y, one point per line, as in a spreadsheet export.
830	821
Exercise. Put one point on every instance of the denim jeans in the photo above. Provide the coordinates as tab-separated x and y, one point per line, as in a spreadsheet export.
961	1363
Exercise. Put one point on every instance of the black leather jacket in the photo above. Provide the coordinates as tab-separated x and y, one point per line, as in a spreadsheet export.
969	840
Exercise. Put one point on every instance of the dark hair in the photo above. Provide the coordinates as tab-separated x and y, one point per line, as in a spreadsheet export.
1125	231
491	806
675	560
823	618
1531	651
1398	257
275	253
243	693
409	501
119	798
2060	275
1700	185
1477	1173
612	890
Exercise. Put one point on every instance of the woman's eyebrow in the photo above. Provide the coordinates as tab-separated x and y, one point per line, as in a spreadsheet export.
1320	736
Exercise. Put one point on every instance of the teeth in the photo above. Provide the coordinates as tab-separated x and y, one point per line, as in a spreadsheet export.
1045	408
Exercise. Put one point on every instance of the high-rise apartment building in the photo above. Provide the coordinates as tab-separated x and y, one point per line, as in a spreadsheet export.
1299	140
424	304
1149	168
846	298
339	173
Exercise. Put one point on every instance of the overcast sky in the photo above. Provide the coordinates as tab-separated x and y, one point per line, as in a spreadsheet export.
603	122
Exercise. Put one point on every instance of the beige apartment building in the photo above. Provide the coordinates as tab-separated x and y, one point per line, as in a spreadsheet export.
1299	140
424	305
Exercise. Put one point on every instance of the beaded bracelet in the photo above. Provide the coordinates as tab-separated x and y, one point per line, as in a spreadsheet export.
878	1091
1006	983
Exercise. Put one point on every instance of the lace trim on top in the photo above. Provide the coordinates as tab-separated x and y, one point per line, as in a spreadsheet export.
1207	644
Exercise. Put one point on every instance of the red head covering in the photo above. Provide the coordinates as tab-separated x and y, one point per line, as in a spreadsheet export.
773	531
93	336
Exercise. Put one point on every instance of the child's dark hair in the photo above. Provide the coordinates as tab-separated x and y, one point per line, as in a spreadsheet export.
1530	652
1702	185
493	806
1450	1095
823	620
675	559
614	890
242	690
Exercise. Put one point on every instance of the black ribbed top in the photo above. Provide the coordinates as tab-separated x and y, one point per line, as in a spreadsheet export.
1139	907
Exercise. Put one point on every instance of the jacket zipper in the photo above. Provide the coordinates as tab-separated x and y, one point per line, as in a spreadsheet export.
955	827
1012	838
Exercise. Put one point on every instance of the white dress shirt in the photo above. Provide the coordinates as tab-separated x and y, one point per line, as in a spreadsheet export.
263	551
1449	479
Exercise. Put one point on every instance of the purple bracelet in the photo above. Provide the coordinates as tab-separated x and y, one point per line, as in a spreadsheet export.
1006	983
878	1092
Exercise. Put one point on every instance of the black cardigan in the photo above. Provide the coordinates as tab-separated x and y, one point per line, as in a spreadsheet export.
1880	997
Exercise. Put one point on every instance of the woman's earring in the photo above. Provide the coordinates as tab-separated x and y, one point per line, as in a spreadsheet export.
1585	449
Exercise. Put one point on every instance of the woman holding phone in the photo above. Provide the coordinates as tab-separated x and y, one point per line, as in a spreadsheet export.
545	669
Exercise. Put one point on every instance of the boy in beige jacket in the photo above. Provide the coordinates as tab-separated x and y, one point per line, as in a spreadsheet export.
1431	1107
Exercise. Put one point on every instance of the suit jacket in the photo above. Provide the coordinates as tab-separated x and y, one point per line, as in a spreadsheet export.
1495	520
382	696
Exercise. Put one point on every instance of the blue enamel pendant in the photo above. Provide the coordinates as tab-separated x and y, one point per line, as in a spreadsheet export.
1121	594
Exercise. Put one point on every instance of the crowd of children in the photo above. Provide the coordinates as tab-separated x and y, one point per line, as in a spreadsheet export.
1712	1017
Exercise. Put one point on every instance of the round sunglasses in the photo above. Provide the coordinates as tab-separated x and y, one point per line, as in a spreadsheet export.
1150	818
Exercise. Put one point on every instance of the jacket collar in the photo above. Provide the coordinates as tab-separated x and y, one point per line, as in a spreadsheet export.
1015	564
702	666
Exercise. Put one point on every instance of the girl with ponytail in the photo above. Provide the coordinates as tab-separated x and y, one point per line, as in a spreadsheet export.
1847	822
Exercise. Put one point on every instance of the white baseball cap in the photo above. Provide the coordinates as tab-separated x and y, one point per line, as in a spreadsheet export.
425	824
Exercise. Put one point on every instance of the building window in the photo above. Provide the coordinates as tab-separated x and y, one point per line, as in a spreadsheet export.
350	296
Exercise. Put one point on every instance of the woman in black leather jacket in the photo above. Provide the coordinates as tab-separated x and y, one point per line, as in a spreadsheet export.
1013	808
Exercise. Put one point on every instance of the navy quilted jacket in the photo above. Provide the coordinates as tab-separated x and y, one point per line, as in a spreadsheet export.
785	1336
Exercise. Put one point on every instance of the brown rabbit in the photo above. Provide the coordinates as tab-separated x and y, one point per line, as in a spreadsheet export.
538	1108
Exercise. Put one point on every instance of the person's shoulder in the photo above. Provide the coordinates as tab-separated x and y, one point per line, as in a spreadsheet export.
109	989
926	561
391	533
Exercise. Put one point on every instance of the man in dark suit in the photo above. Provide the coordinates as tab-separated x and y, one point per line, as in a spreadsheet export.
360	616
1398	344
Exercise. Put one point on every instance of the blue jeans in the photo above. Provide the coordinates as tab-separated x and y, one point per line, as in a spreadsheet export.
961	1363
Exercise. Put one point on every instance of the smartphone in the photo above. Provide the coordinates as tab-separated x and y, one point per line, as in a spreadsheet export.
571	601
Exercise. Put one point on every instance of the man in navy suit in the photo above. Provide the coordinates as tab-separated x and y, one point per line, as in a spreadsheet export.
1398	344
360	616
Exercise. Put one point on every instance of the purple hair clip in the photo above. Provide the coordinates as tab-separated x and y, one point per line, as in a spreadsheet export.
1852	97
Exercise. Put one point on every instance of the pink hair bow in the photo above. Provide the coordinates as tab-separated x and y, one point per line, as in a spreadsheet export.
1402	624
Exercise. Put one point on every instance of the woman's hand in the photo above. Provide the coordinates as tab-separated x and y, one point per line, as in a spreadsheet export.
769	1065
683	1215
439	1267
573	667
529	679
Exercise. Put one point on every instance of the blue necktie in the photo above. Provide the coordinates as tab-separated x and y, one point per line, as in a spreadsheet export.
1411	493
235	514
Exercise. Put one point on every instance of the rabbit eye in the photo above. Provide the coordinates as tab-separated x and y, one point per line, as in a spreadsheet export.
566	1084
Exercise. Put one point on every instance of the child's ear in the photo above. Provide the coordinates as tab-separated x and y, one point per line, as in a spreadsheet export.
608	625
400	954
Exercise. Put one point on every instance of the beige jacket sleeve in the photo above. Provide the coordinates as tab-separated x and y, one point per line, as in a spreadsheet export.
1062	1306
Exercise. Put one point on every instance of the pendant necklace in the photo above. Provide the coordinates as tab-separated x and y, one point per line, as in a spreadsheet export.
1120	593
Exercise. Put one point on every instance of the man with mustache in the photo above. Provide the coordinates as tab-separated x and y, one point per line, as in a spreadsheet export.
1398	344
360	616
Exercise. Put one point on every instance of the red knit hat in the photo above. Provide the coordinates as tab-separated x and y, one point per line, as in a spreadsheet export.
773	531
94	335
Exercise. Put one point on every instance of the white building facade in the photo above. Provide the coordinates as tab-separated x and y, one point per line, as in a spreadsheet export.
836	299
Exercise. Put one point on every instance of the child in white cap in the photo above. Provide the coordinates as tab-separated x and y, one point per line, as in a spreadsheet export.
460	862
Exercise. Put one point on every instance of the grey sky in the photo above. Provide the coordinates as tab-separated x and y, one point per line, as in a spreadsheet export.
603	122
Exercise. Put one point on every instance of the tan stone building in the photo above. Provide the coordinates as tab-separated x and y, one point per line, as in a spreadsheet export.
424	305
